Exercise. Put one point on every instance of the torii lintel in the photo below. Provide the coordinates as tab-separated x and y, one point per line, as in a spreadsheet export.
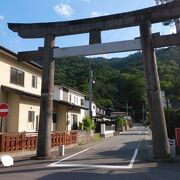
134	18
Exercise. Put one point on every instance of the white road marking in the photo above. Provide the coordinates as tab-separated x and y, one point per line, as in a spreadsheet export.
51	165
134	156
55	164
74	155
89	166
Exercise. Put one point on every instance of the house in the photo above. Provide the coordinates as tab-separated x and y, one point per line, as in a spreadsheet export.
20	88
102	114
99	113
116	114
93	108
72	107
165	100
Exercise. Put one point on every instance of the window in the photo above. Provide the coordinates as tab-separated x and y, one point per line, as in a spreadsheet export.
31	116
17	77
74	125
34	81
82	102
70	98
54	117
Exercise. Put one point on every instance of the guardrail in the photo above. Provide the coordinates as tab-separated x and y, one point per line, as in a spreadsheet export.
26	141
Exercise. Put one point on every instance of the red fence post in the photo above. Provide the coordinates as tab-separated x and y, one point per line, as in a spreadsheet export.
23	141
1	143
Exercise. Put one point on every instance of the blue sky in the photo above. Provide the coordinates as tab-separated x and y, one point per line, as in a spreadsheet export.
31	11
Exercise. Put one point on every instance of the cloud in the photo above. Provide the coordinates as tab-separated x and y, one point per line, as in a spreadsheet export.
96	14
1	17
63	9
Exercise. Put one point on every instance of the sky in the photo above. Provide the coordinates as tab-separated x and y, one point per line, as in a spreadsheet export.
34	11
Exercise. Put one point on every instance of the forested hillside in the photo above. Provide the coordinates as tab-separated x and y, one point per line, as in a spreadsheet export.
119	80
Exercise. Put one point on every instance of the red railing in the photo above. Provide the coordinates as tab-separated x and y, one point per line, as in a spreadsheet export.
25	141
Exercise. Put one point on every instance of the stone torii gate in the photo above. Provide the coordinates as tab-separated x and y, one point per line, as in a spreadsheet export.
143	18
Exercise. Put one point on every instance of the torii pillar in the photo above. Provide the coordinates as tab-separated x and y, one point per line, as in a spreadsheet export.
157	117
46	106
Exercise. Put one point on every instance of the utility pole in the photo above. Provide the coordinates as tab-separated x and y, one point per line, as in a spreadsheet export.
90	89
94	38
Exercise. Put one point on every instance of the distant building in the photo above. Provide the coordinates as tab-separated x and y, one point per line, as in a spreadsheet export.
117	114
93	107
99	113
165	100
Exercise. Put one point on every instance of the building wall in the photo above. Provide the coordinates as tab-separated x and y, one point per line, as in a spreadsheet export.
3	99
6	62
93	107
61	118
75	97
26	105
13	115
65	94
83	114
56	93
75	112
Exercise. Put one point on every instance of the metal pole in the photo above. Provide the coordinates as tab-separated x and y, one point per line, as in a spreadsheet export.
46	104
157	117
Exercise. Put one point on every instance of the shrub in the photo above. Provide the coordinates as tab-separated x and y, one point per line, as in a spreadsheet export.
124	122
88	124
119	121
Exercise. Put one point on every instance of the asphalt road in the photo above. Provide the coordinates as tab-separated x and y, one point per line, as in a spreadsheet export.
124	156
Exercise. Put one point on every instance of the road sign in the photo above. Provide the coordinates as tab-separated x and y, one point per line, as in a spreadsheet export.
3	110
